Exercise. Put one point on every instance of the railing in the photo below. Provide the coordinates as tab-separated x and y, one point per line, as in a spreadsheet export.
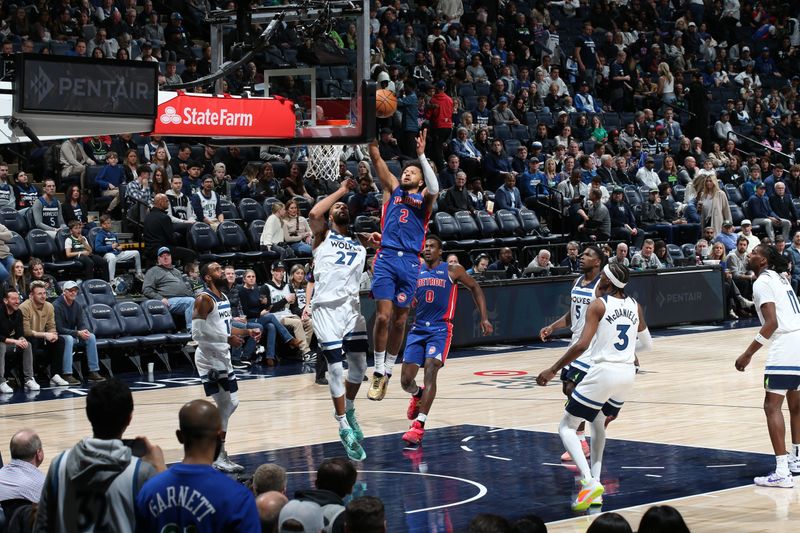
789	157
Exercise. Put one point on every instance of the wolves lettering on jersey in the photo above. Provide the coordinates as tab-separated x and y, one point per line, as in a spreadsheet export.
338	264
580	298
436	297
404	221
615	340
772	287
218	320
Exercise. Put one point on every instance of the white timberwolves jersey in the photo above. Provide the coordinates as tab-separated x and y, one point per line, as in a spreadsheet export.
615	340
772	287
580	297
219	321
338	264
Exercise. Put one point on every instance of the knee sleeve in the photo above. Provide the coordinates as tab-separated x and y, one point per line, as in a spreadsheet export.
227	402
336	379
569	422
356	367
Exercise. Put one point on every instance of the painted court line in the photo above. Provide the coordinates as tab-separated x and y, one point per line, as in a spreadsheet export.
652	475
726	466
496	457
466	448
642	467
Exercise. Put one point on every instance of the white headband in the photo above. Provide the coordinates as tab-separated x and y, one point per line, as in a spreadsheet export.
612	278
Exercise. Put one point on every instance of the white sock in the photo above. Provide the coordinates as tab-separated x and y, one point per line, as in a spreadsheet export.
598	444
782	465
421	418
379	362
567	429
582	436
349	404
343	424
390	359
796	450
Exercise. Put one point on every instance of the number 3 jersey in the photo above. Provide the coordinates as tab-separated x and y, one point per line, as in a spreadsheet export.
338	264
615	340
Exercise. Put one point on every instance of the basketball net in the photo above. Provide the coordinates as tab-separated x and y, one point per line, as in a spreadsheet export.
323	161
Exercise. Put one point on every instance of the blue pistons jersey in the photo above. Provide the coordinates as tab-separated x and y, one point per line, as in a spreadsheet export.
435	297
404	221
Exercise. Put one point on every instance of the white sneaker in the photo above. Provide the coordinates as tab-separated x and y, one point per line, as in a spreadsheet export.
224	464
775	480
5	389
794	462
31	385
260	350
58	381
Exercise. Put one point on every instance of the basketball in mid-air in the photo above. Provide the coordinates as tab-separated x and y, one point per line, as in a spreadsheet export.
385	103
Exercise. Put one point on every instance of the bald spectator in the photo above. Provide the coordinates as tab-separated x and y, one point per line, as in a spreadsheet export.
269	507
219	502
457	197
269	477
21	478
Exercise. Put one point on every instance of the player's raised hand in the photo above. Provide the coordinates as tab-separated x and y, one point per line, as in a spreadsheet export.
486	328
545	376
349	184
545	333
374	150
742	361
421	140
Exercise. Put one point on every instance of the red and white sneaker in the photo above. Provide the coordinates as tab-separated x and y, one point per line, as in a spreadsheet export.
586	451
415	433
413	407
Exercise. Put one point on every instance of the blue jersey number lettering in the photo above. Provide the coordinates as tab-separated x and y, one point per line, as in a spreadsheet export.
623	337
342	255
577	312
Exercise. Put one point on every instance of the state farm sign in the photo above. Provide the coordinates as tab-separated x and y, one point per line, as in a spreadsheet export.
202	116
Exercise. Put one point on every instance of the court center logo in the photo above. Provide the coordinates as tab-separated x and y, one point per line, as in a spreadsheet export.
170	116
41	85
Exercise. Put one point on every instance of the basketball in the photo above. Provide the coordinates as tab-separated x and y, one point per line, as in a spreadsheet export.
385	103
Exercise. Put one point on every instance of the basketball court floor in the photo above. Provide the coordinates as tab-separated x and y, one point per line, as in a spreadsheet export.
692	434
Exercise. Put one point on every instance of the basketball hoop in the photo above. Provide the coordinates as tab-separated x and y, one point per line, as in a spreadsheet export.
323	161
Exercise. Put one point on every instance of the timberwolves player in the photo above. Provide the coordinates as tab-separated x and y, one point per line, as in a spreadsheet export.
336	311
583	293
211	329
779	312
429	339
612	323
404	220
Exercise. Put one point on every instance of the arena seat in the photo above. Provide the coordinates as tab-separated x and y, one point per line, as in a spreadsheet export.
229	211
251	210
97	291
41	246
469	229
529	227
232	239
13	220
18	247
488	227
134	325
204	241
446	227
105	326
508	226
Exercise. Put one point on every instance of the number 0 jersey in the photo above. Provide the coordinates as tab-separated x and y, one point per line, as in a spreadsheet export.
435	297
615	340
772	287
404	221
338	264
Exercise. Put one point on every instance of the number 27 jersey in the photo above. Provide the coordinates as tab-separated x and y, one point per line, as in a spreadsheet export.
338	264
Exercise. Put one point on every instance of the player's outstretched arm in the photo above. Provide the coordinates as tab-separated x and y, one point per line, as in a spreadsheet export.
563	322
388	180
369	240
317	218
766	331
458	274
593	316
431	181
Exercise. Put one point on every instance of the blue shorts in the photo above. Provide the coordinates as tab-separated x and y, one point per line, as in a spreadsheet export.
781	383
395	276
425	344
573	374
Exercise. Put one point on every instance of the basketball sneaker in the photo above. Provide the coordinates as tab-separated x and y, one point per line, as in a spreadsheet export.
590	491
597	502
794	465
351	445
353	421
377	389
415	433
587	451
413	407
775	480
224	464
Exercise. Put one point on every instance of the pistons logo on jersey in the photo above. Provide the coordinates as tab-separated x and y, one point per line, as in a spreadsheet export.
401	297
432	350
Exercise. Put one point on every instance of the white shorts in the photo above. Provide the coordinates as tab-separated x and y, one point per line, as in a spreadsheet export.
215	372
605	387
782	370
338	328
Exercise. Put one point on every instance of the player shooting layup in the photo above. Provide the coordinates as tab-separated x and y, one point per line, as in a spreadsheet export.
429	339
211	328
336	310
583	293
779	312
404	220
612	323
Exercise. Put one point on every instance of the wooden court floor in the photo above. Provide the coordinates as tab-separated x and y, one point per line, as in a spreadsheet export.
690	394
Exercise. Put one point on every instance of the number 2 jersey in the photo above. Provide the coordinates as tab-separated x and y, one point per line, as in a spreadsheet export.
772	287
404	221
338	264
615	340
435	298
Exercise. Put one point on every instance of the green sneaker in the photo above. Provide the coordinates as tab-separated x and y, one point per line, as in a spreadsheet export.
351	445
353	421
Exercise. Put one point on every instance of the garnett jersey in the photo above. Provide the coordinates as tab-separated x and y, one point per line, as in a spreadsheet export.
218	320
338	264
772	287
403	222
615	340
435	297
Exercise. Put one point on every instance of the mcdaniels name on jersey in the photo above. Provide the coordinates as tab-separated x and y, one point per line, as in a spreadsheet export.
619	313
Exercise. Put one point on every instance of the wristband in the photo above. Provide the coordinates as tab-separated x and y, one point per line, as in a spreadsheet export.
760	339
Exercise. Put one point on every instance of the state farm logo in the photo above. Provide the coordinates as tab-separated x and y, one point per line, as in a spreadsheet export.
170	116
205	117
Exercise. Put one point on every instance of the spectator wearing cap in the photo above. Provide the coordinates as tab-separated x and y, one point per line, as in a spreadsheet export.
747	232
532	182
585	102
159	233
623	222
723	126
647	175
727	237
206	204
439	111
277	295
165	282
653	216
192	181
301	516
73	332
152	29
765	65
147	53
782	205
502	114
760	212
389	148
